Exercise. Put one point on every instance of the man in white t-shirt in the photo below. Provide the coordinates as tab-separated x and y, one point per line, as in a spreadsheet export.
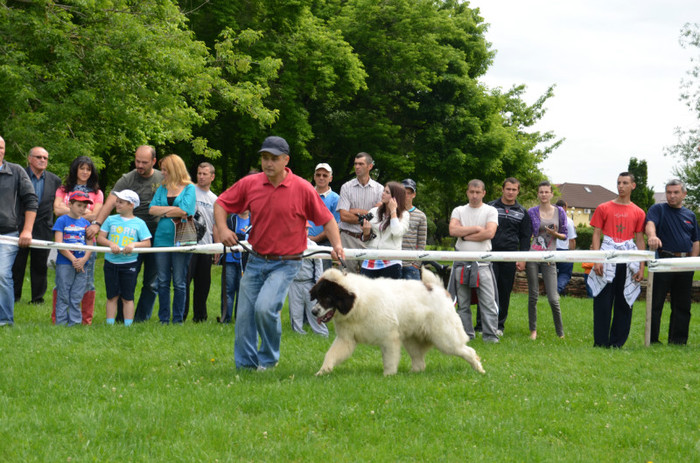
200	264
474	224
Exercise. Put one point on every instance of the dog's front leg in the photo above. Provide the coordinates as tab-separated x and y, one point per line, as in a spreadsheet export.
339	351
391	354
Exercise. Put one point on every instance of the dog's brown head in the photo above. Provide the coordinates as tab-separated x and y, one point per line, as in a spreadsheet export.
330	296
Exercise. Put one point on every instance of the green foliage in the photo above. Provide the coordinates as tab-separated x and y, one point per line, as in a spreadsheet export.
424	113
642	196
399	79
100	78
172	393
584	237
688	145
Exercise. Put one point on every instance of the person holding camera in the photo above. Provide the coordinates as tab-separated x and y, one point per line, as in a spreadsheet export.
383	228
357	197
548	226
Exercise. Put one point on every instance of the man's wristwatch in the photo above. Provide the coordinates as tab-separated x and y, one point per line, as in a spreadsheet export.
95	222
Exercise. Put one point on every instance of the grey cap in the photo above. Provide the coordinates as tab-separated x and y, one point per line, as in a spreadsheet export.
275	145
409	183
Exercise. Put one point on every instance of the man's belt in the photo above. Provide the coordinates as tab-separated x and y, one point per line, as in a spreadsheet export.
353	234
668	254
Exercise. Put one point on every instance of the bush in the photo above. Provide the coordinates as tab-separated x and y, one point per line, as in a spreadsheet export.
584	238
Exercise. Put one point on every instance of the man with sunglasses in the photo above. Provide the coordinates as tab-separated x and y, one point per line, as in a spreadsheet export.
323	176
45	185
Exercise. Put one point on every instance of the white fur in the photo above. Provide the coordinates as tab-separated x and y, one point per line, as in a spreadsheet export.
389	313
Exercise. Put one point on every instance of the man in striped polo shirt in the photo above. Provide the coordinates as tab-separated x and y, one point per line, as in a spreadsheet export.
416	236
357	197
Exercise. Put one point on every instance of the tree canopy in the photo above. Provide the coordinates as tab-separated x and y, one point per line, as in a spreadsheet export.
399	79
688	146
642	195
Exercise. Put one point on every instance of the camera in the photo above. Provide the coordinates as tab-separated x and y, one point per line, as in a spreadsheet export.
362	217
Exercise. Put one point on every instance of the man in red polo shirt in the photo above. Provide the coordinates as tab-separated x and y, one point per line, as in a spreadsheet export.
280	203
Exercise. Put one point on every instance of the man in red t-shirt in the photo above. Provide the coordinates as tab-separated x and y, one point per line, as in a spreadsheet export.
280	203
622	223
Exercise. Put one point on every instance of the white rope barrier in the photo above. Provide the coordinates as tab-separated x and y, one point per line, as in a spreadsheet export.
679	264
323	252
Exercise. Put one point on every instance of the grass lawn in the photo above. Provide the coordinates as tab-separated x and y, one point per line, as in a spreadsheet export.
172	393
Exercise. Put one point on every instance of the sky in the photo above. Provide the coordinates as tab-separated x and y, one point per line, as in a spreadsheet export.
617	66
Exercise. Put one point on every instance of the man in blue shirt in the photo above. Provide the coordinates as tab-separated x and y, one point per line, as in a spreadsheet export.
323	176
672	231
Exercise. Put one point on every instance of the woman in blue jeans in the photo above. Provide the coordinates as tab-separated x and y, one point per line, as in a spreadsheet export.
174	200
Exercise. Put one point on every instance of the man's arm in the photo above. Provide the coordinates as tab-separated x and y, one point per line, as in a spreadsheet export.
333	233
486	233
422	238
223	234
595	246
460	231
654	241
320	237
102	215
25	236
695	251
351	216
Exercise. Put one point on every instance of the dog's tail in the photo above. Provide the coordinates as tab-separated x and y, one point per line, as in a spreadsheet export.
430	280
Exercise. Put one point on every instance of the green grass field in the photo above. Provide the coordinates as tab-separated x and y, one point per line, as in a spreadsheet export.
172	393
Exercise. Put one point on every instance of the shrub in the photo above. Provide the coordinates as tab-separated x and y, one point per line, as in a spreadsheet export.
584	238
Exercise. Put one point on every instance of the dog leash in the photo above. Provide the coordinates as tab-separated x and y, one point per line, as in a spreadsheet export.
251	251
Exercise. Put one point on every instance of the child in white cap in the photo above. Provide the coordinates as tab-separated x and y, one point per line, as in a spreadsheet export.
122	233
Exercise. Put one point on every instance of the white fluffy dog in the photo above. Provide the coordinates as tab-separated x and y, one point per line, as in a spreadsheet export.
389	313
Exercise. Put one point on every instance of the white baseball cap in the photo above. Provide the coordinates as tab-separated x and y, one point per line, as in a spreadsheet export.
324	166
128	195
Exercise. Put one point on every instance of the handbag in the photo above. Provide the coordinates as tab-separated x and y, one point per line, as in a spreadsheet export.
200	226
185	231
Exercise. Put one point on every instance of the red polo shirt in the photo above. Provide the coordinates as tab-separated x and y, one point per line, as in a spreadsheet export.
278	215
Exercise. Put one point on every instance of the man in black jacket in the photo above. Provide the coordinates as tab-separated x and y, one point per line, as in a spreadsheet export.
45	185
513	234
19	199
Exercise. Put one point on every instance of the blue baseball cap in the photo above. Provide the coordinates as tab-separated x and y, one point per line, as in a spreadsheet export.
275	145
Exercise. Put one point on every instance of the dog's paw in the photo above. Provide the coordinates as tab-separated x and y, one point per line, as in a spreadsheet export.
323	371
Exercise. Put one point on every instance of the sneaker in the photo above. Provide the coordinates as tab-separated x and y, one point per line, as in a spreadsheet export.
499	333
492	340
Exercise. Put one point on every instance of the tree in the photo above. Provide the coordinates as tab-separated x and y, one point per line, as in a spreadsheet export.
319	74
424	112
688	146
100	78
642	196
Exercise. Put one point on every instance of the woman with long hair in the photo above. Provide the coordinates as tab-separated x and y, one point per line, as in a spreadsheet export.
548	225
385	230
174	200
82	176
